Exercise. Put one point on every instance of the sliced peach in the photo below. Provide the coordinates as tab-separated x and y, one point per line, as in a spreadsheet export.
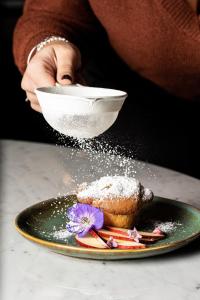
106	234
129	245
98	238
124	243
145	234
151	234
118	230
90	242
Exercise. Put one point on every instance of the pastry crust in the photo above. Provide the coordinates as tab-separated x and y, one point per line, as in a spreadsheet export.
117	205
119	210
122	221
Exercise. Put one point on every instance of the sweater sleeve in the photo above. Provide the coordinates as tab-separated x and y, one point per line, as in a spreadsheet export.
72	19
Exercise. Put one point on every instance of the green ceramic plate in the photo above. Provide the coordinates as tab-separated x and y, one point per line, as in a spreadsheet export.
44	224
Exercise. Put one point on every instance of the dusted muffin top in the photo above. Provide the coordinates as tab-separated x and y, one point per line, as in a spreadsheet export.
110	187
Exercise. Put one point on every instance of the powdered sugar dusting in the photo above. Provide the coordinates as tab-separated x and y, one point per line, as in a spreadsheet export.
147	194
111	186
61	234
167	227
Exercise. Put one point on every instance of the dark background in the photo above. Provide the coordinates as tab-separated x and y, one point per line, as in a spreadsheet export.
153	125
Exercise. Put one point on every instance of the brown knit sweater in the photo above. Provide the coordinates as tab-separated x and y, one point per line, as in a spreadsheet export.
159	39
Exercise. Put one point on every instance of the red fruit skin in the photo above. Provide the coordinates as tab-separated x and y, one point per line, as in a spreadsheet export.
95	235
117	230
123	238
83	242
144	234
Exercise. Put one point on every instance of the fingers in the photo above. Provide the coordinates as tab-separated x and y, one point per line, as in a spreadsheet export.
55	62
29	86
68	61
36	107
42	75
33	101
37	75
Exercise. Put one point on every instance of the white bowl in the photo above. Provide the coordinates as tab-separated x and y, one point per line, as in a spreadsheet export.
80	111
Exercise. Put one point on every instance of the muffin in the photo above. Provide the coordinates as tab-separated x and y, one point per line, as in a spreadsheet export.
119	197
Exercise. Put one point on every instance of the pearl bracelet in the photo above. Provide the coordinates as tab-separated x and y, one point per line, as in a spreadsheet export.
45	42
50	40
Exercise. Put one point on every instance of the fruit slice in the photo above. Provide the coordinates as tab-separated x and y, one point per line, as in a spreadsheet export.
123	244
144	234
151	234
92	242
98	238
106	234
89	241
129	245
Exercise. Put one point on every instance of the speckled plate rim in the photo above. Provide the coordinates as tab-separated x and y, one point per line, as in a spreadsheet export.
83	250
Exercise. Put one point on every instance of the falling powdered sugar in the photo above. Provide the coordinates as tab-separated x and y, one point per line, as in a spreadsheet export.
104	158
104	155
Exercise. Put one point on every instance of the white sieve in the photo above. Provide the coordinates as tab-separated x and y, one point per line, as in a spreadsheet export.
80	111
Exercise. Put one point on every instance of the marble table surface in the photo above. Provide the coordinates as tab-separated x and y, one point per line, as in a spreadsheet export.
31	172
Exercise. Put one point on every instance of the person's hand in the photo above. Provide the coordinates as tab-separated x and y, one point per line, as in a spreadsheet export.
56	62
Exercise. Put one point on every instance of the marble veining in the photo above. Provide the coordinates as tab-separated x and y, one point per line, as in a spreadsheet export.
32	172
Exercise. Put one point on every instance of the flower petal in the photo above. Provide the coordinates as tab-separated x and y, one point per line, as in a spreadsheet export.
134	234
74	227
85	231
71	213
99	220
83	217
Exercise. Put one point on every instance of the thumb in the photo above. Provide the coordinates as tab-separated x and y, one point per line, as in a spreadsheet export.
67	64
46	77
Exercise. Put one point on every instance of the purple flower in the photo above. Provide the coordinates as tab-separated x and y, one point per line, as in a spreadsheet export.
84	217
134	234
